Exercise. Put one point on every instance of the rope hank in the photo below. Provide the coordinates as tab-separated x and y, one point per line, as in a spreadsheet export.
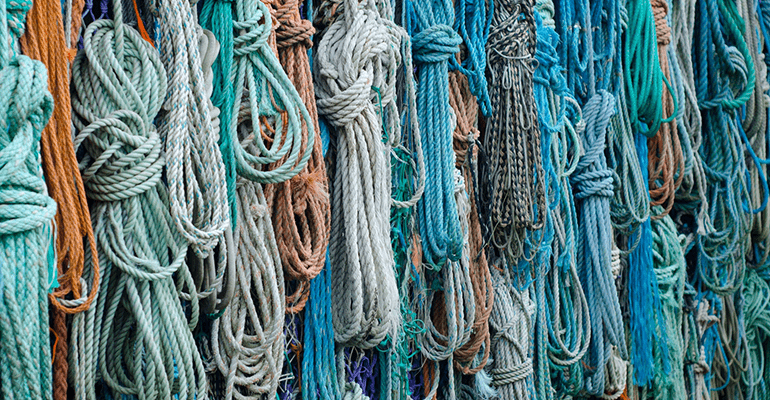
136	337
26	233
194	168
593	184
357	57
300	206
514	170
434	42
247	342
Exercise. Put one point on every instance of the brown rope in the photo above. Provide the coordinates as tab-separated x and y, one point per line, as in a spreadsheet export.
300	207
44	40
466	110
666	161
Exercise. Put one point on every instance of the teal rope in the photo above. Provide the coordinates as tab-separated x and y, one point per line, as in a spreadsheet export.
434	42
26	231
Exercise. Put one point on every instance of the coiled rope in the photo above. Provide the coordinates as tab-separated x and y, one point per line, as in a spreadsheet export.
119	339
300	206
194	167
356	60
26	231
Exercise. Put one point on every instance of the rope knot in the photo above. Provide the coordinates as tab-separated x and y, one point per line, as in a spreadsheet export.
24	91
436	44
344	107
290	33
123	156
254	32
592	177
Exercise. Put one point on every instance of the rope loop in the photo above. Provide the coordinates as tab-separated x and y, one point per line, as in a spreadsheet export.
436	44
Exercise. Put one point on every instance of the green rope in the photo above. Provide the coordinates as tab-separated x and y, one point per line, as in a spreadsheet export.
26	233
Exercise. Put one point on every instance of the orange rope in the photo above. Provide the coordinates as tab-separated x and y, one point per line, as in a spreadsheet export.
301	206
44	40
466	110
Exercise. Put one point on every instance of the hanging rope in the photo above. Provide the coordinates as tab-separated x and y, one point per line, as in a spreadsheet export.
194	164
26	233
136	337
300	206
434	42
247	340
514	170
354	68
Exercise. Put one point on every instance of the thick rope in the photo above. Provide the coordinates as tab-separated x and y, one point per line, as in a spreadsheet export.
247	340
354	68
136	337
300	206
194	168
26	230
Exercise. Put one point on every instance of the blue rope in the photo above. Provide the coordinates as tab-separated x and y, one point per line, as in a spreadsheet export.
472	19
434	42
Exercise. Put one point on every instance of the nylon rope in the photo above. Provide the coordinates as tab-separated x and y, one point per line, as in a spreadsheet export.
26	229
357	53
119	341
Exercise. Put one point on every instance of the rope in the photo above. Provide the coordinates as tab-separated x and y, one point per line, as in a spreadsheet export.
26	233
136	337
512	141
300	206
194	164
593	185
464	139
434	42
357	54
247	340
511	321
756	293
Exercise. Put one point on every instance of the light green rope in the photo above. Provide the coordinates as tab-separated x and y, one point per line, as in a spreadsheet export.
26	233
136	337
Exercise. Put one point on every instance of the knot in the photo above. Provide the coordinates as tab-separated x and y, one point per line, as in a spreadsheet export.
254	32
25	106
290	33
592	177
123	156
510	375
436	44
662	30
344	107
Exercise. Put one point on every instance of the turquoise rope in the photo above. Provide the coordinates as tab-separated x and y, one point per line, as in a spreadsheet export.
26	231
434	42
472	20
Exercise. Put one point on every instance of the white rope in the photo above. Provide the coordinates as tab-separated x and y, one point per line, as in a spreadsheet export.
247	340
512	321
357	53
194	167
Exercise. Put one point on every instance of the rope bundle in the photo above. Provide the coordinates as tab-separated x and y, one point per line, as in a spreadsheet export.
136	337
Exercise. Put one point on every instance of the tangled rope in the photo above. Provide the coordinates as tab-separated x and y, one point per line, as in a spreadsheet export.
136	337
357	57
26	232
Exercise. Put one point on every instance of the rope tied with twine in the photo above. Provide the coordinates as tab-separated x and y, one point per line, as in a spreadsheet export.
356	54
136	337
514	174
300	206
26	231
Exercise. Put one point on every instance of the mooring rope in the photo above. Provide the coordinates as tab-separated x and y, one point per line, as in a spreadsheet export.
354	69
27	259
119	339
